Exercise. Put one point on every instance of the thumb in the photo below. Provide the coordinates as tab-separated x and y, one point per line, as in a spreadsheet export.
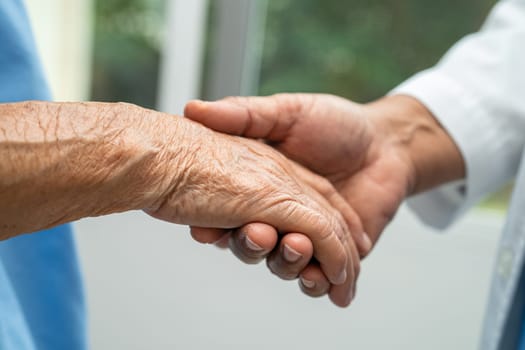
269	118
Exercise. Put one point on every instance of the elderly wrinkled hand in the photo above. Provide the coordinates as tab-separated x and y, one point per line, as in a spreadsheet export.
230	181
374	155
65	161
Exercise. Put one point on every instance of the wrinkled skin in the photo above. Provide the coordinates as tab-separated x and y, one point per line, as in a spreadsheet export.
336	138
231	181
65	161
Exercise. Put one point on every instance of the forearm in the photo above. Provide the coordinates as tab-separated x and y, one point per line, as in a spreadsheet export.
64	161
476	93
431	155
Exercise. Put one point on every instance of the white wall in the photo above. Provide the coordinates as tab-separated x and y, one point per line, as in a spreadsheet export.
151	287
63	30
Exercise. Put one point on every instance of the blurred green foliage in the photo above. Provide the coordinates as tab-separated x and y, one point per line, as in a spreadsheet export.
359	49
127	50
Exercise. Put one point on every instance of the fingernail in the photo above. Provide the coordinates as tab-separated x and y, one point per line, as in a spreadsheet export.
252	245
367	243
341	278
291	255
307	283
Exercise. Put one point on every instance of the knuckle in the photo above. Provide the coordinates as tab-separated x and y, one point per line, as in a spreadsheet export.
325	187
291	104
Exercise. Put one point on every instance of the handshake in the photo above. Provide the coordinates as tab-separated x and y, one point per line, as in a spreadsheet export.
317	188
307	182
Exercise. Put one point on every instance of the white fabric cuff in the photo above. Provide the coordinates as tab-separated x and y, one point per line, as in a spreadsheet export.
472	129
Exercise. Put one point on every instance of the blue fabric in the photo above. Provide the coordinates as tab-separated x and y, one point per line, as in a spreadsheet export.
522	338
41	298
521	288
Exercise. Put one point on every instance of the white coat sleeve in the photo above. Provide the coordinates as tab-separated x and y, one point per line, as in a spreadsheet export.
477	92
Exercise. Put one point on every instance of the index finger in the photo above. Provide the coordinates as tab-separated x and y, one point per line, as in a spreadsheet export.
324	230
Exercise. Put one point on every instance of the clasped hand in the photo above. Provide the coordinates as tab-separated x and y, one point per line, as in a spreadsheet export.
348	164
230	181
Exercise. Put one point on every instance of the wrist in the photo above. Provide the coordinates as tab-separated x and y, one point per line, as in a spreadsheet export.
160	146
431	156
65	161
123	157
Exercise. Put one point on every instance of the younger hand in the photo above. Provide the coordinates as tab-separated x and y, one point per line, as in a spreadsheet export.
343	141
